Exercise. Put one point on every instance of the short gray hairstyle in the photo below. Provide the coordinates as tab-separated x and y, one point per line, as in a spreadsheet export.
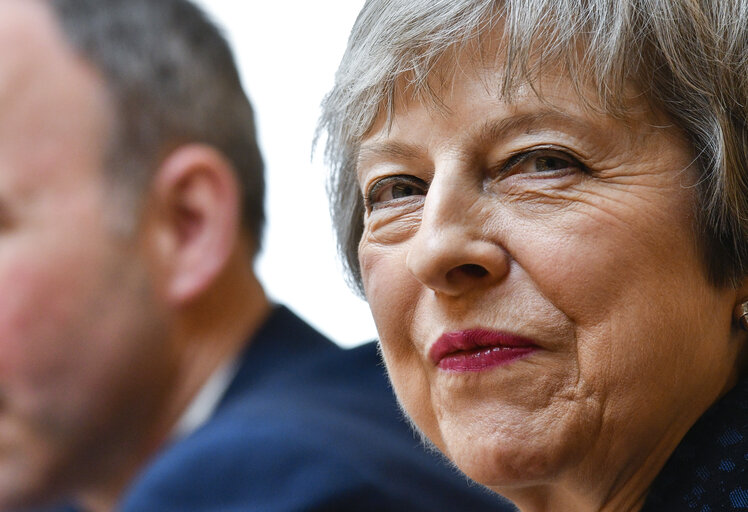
173	81
689	59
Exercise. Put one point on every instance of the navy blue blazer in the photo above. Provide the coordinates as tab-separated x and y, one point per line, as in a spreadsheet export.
708	472
304	426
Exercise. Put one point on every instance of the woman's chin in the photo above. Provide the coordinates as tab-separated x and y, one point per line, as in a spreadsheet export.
501	468
514	450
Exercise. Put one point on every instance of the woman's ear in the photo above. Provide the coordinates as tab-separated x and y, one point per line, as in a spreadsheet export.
740	311
193	220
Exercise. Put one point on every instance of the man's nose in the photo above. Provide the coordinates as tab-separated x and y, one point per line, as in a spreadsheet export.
452	252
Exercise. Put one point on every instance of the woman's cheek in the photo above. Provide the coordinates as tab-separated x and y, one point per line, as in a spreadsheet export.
390	289
392	293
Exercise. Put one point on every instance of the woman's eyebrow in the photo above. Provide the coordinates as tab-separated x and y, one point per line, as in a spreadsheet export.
497	129
388	149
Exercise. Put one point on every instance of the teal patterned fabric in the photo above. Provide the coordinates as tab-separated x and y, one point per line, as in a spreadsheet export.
708	472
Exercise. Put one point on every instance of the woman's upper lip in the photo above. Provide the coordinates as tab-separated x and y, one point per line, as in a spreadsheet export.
471	339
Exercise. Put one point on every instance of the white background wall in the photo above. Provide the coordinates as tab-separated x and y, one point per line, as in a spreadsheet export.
287	53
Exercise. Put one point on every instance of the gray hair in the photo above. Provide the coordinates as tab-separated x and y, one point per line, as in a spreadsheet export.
688	58
173	81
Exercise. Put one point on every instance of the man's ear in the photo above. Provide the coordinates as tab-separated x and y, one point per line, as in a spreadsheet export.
193	222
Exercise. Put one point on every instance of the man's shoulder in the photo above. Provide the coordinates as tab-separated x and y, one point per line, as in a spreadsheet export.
290	443
322	431
292	373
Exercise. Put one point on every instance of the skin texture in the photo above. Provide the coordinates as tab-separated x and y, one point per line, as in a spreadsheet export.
104	336
61	269
585	246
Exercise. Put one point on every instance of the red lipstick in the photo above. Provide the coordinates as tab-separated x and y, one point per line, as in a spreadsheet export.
475	350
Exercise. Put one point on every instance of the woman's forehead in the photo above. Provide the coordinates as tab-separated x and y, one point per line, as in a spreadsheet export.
470	78
488	61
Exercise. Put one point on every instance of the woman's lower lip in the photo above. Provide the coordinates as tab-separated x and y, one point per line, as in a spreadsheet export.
483	358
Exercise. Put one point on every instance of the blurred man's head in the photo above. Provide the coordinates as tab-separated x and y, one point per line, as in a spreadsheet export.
130	207
172	80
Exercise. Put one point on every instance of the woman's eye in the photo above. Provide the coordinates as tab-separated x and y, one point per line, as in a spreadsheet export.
553	163
394	188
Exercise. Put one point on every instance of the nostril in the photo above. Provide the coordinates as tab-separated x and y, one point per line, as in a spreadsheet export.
473	270
469	270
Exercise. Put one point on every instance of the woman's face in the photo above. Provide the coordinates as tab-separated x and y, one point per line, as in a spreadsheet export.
537	285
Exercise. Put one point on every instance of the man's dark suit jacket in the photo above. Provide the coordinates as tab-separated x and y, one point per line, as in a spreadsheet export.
304	426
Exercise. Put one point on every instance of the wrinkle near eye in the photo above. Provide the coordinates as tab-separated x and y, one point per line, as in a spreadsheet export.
391	229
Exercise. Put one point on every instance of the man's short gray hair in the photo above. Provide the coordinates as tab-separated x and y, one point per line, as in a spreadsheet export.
173	81
688	58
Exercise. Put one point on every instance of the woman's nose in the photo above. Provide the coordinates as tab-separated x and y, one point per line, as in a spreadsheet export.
451	252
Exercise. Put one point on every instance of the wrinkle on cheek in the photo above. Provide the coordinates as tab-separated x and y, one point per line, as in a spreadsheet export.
387	285
627	207
383	230
369	257
576	400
